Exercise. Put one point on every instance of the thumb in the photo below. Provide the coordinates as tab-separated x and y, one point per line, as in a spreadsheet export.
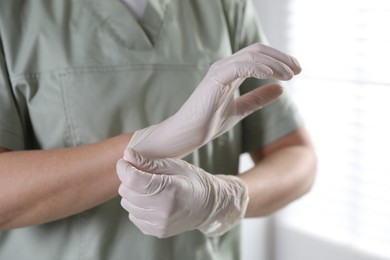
139	161
165	166
257	98
132	156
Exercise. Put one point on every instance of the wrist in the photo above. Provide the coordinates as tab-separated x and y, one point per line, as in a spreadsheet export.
229	206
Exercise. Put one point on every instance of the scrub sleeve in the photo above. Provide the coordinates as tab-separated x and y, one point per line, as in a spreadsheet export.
11	129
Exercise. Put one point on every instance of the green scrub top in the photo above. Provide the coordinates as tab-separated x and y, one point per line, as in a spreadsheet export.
74	72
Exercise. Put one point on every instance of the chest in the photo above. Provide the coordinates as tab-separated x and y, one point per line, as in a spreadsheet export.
85	70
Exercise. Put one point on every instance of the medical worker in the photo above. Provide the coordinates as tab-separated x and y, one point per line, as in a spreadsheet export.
146	99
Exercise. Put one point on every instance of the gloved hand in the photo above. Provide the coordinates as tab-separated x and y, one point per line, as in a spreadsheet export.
212	108
165	197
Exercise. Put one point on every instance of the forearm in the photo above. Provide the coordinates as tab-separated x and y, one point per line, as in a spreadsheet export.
279	179
41	186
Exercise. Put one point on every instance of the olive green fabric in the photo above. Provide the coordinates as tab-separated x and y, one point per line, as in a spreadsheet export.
74	72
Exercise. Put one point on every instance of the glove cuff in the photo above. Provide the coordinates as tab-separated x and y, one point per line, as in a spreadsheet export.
231	200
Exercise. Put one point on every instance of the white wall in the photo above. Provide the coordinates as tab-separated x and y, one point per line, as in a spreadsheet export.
273	238
293	244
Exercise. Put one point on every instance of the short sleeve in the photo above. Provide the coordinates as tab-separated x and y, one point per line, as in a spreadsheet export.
270	123
278	118
11	131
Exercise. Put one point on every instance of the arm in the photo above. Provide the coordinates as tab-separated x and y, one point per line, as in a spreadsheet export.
42	186
283	172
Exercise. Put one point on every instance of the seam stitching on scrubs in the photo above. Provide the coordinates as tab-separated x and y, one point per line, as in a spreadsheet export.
68	118
10	133
78	70
141	67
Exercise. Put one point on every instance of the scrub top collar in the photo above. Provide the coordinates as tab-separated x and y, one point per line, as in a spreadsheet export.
121	24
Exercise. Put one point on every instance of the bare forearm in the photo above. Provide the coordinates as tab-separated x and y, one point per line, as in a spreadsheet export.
279	179
41	186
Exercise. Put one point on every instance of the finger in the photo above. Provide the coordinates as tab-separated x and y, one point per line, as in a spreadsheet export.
241	69
280	70
149	208
154	228
141	162
124	170
145	212
257	98
133	157
135	179
138	211
289	60
165	166
252	64
146	227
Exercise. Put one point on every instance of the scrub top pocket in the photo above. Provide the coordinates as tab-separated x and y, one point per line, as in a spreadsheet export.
107	101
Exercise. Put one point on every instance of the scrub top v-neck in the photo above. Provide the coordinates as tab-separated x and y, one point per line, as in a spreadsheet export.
135	33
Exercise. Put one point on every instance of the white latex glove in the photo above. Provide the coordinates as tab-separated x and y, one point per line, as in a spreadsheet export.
165	197
212	108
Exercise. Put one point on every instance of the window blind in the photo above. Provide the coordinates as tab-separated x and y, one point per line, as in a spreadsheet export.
343	94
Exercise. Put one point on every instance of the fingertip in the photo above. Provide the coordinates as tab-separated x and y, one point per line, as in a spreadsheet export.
268	72
277	87
121	163
278	90
127	153
139	161
131	156
289	74
273	90
297	69
121	170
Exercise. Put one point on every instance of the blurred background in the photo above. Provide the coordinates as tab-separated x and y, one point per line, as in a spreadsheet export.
343	94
